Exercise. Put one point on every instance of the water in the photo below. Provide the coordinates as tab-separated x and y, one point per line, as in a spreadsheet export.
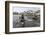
28	22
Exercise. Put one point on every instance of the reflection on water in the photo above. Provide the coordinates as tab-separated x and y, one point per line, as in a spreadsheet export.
29	22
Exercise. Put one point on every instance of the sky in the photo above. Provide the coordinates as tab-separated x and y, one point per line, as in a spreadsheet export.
22	9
